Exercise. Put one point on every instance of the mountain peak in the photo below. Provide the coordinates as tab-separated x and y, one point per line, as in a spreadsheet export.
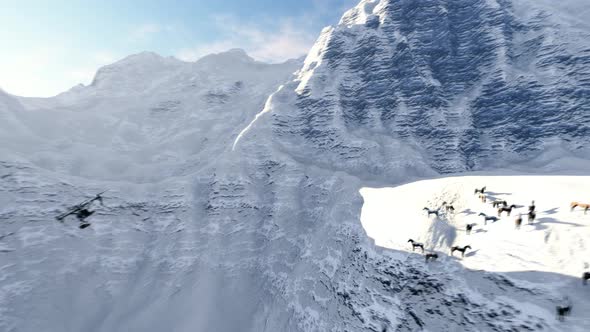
237	52
145	58
363	12
134	68
234	55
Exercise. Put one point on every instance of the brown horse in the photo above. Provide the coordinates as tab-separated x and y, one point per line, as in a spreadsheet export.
483	198
586	207
518	221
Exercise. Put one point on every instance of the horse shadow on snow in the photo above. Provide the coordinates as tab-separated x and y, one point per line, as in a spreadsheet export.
548	220
468	212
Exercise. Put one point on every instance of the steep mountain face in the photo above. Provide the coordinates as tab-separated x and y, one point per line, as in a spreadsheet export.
231	211
144	129
459	85
402	90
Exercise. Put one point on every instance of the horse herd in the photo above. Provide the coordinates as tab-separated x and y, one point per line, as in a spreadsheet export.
502	206
434	256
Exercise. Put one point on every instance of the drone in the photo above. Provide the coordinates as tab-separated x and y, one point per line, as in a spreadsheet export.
82	210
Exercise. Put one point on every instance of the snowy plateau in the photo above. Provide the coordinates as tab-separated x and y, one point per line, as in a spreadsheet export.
245	196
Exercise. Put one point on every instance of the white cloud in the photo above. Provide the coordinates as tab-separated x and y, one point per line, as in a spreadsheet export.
281	42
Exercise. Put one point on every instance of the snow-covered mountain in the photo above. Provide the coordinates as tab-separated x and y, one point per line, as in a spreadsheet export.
443	85
230	210
146	117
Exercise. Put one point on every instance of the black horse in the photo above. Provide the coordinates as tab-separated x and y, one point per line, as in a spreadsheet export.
486	218
448	207
479	191
585	277
469	227
532	207
563	311
462	250
416	245
507	209
531	216
430	257
435	212
498	203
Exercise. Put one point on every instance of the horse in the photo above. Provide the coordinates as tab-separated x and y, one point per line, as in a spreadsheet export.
507	209
518	221
416	245
532	207
585	277
498	203
532	216
431	257
462	250
448	207
586	207
435	212
479	191
563	311
469	227
486	218
483	198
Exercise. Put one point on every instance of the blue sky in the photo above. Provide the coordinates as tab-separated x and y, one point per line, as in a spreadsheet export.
48	46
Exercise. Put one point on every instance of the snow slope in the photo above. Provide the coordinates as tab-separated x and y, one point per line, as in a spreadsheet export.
145	130
554	244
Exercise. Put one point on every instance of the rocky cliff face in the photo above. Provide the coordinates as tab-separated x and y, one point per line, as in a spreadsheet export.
443	85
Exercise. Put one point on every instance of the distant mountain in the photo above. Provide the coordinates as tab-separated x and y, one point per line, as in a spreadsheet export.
147	117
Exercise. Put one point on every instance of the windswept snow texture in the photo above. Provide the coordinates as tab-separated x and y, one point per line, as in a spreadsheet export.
230	210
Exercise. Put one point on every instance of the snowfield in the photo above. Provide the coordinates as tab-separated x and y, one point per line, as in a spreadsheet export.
547	251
